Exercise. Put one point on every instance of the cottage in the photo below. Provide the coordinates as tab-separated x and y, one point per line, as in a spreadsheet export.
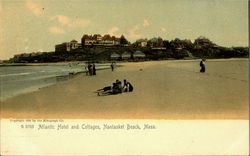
126	55
74	45
67	46
62	47
139	55
114	56
143	44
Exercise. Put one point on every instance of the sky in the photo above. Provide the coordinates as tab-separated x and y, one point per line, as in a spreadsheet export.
35	25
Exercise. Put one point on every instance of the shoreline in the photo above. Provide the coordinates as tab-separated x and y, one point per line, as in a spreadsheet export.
59	79
108	62
163	90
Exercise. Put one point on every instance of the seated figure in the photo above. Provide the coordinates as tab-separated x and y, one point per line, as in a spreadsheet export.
127	87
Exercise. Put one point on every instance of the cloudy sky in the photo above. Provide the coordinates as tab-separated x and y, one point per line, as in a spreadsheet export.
36	25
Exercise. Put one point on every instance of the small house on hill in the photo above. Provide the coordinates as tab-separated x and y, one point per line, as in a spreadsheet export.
114	56
139	55
126	55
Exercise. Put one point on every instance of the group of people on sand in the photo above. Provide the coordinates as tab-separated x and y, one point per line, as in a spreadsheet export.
116	88
90	69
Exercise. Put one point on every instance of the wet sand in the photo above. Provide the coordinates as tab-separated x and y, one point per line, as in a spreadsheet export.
162	90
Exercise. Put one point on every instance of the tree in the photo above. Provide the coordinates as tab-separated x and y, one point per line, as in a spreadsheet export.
123	40
203	42
166	44
142	40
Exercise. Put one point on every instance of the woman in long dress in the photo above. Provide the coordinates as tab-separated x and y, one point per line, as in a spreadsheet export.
202	65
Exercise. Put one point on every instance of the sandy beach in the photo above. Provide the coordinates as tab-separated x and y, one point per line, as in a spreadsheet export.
162	90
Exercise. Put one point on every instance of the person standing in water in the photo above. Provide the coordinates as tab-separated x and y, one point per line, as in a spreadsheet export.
202	65
90	69
94	70
86	69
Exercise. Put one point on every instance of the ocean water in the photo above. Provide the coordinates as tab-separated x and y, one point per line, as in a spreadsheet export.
15	80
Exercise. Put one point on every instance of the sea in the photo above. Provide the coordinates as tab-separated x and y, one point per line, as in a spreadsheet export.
15	80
